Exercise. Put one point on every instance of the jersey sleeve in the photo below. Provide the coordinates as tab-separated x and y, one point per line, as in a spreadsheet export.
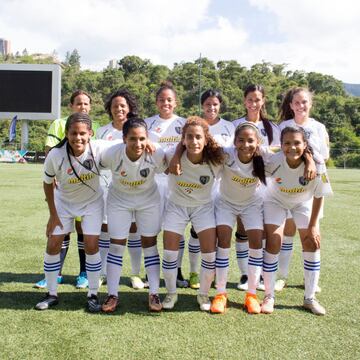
324	145
49	169
56	133
323	187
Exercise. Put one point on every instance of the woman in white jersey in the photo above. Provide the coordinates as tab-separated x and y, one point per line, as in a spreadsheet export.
223	132
295	110
190	201
254	101
240	196
74	162
120	106
165	130
289	191
133	193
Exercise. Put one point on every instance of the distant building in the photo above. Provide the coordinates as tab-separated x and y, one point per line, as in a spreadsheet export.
113	64
5	47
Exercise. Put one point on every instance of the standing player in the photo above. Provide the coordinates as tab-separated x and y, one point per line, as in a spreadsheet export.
165	129
295	110
120	105
190	201
254	101
289	191
74	163
133	193
80	102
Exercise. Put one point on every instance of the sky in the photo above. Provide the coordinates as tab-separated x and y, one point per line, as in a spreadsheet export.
308	35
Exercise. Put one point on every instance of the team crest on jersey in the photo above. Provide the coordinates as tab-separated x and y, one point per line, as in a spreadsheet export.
307	134
123	173
88	164
303	181
225	136
278	180
204	179
70	171
263	132
178	129
145	172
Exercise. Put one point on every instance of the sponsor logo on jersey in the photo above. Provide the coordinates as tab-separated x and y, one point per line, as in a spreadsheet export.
158	129
303	181
132	184
145	172
109	137
295	190
244	181
278	180
83	177
123	173
188	185
70	171
204	179
169	139
88	164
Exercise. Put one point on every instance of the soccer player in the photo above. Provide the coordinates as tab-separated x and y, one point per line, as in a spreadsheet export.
190	201
133	193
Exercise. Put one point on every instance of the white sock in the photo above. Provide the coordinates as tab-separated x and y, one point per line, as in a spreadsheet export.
93	268
242	252
152	267
255	267
311	272
270	264
181	252
52	267
169	267
286	252
114	267
104	243
194	254
207	272
135	251
222	269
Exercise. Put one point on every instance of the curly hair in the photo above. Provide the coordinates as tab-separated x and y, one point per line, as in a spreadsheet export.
213	152
130	99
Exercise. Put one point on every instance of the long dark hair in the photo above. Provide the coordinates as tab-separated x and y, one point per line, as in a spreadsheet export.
286	112
263	116
72	119
258	162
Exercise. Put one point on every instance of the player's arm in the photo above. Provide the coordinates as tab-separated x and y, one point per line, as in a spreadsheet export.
310	166
313	234
175	162
54	218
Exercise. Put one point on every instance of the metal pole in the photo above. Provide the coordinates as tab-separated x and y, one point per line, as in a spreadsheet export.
24	134
200	64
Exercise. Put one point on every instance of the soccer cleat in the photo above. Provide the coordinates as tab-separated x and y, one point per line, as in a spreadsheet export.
169	301
243	283
194	281
314	306
42	283
46	302
110	304
136	282
251	304
82	281
102	280
261	285
218	304
267	306
93	304
180	281
204	302
155	303
280	284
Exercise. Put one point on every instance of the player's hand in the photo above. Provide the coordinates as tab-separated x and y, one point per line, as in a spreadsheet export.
310	169
53	222
175	166
313	237
150	147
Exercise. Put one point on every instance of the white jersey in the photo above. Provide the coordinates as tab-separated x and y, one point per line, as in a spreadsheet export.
238	185
316	136
109	133
193	187
288	186
264	138
133	181
167	133
69	187
223	132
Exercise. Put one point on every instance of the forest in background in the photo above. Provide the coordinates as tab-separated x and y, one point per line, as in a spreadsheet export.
333	106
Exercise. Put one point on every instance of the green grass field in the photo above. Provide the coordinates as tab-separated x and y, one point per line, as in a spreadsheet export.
68	332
